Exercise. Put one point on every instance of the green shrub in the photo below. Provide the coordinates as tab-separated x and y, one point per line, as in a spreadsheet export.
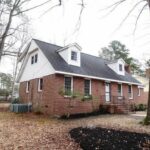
140	107
103	109
132	107
86	98
146	121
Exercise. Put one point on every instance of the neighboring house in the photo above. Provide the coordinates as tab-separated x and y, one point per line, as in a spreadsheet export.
63	80
145	83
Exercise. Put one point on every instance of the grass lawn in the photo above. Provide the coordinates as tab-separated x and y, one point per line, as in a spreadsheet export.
28	131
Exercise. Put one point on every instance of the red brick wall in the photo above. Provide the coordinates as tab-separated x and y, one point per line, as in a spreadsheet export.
51	102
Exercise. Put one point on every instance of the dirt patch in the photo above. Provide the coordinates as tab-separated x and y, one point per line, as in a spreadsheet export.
105	139
4	107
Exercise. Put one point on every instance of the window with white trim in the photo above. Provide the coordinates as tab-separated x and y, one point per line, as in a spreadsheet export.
87	87
34	59
139	92
68	81
130	92
27	86
73	55
40	84
119	89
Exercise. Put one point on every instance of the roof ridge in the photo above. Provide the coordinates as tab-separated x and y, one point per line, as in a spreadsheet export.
95	56
46	42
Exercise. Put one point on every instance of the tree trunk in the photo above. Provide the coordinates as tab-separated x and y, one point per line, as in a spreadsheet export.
14	78
148	3
148	105
3	37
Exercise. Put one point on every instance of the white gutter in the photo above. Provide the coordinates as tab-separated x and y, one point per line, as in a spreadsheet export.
98	78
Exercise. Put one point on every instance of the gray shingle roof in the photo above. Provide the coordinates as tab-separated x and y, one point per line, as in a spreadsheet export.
90	65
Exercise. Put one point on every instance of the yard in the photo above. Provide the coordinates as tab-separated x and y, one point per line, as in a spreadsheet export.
28	131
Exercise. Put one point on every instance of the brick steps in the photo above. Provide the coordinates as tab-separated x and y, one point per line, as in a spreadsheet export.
123	108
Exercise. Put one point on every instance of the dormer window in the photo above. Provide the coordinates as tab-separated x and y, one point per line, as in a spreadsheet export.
120	67
73	55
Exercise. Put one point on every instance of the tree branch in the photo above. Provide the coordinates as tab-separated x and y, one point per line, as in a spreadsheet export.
138	17
32	8
128	14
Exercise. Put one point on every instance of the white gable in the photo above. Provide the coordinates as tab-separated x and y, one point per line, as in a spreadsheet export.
116	66
41	68
65	53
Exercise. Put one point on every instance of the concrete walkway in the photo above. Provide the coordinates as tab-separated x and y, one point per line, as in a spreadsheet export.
139	115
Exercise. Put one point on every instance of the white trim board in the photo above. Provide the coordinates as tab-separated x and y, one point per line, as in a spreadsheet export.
98	78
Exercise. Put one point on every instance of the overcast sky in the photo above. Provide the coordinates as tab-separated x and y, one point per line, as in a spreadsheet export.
97	29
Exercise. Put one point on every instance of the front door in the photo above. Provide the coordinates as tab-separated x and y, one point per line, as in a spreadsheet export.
107	92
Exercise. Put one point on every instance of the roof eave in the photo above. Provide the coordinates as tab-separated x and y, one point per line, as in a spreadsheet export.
98	78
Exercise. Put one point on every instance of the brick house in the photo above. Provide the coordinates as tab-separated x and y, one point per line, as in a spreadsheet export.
61	80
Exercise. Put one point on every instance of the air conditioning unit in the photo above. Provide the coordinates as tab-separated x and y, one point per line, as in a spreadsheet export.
20	108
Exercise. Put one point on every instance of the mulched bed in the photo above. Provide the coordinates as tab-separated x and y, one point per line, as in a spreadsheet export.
109	139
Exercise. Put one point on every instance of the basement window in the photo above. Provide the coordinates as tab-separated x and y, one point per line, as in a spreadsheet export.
73	55
40	84
27	86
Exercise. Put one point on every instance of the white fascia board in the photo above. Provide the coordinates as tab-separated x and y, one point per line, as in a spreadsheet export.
70	45
93	77
141	86
24	52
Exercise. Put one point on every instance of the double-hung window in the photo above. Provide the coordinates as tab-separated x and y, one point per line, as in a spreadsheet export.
40	84
139	92
130	92
73	55
68	85
87	87
34	59
27	86
119	89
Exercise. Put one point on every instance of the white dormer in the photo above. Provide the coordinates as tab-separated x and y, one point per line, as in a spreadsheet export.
118	66
71	54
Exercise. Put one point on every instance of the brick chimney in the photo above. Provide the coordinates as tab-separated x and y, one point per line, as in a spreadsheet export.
147	73
127	68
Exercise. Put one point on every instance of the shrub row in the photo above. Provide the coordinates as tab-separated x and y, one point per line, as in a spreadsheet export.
139	107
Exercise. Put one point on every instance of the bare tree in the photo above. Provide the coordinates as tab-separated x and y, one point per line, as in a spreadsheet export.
12	18
23	38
